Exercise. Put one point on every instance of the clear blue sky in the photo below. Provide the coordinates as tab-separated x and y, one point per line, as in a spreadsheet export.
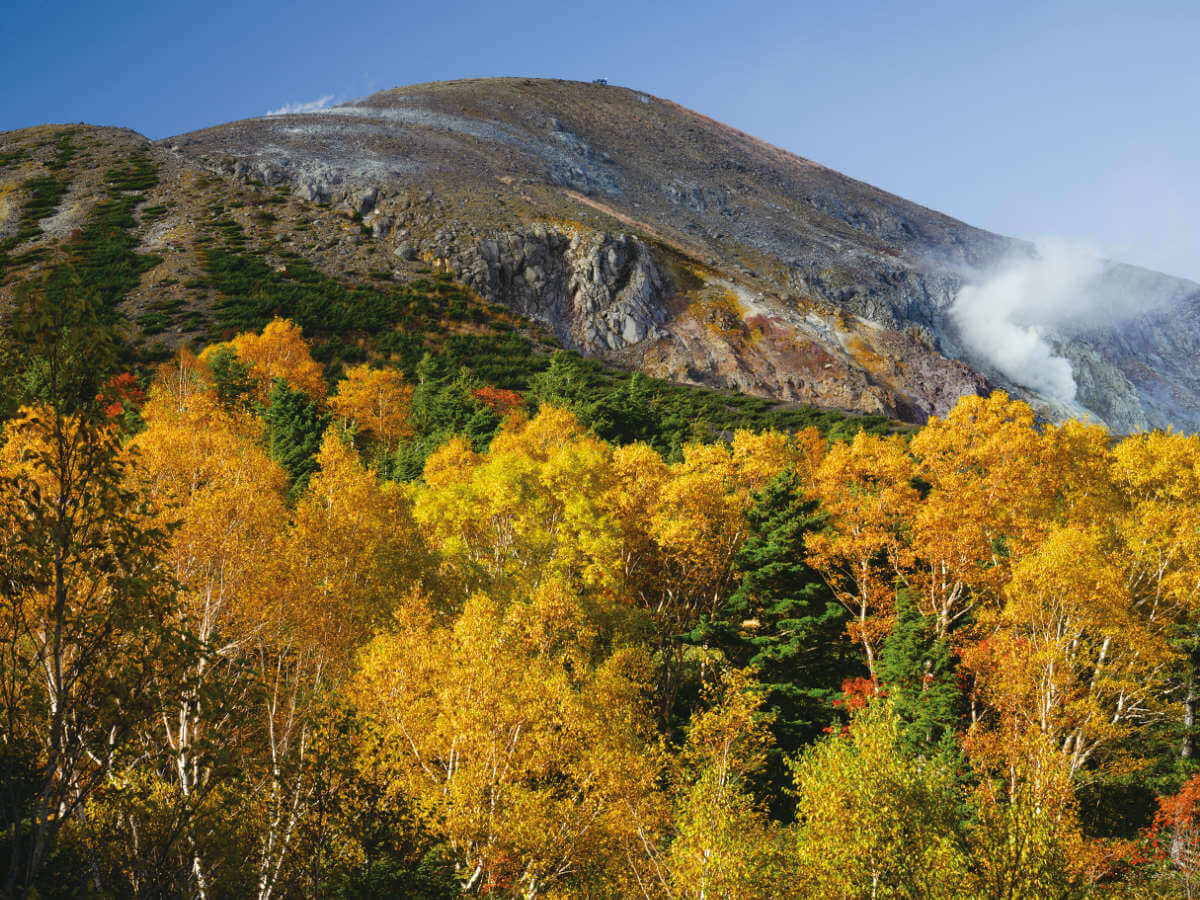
1079	119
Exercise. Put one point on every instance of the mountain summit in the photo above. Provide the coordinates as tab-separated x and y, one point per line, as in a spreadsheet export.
654	238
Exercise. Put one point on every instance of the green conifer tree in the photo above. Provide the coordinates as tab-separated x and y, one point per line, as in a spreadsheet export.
784	621
231	376
624	415
442	407
917	669
563	383
295	426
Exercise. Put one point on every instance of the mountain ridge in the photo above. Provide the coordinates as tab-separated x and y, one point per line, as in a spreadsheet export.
654	238
808	243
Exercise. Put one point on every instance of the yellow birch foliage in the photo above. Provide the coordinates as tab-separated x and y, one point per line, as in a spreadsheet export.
723	844
639	478
207	465
808	452
531	750
1024	838
866	490
352	550
1158	476
280	351
699	521
1076	467
876	821
1069	657
681	525
983	504
873	821
528	510
374	401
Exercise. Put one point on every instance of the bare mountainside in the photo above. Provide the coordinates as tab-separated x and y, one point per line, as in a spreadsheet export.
654	237
636	231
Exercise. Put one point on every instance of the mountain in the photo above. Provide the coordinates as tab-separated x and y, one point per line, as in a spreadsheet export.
652	238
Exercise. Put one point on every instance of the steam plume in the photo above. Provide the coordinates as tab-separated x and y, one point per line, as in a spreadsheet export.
309	106
1005	317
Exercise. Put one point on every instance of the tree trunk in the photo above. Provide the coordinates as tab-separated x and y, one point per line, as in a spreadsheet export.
1187	744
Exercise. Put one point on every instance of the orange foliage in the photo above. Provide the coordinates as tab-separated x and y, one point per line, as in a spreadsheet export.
280	351
121	391
375	401
498	400
1175	832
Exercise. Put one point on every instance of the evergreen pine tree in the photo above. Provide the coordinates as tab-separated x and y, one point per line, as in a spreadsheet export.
784	621
426	369
442	407
231	376
624	415
563	383
917	668
295	426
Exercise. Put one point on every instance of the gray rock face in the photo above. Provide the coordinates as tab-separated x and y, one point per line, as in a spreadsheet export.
1151	360
607	296
1104	390
596	292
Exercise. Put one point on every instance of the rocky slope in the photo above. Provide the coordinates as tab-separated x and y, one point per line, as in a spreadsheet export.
654	238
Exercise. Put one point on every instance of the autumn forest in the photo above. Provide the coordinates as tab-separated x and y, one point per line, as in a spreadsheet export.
279	627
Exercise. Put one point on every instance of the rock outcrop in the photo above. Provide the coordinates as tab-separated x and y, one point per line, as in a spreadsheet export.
599	293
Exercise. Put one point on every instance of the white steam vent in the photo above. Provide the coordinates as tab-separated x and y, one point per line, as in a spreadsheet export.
1004	318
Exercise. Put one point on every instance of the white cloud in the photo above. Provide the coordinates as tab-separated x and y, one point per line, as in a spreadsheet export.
311	106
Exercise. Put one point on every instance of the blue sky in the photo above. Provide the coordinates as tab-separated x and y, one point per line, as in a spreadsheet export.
1073	119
